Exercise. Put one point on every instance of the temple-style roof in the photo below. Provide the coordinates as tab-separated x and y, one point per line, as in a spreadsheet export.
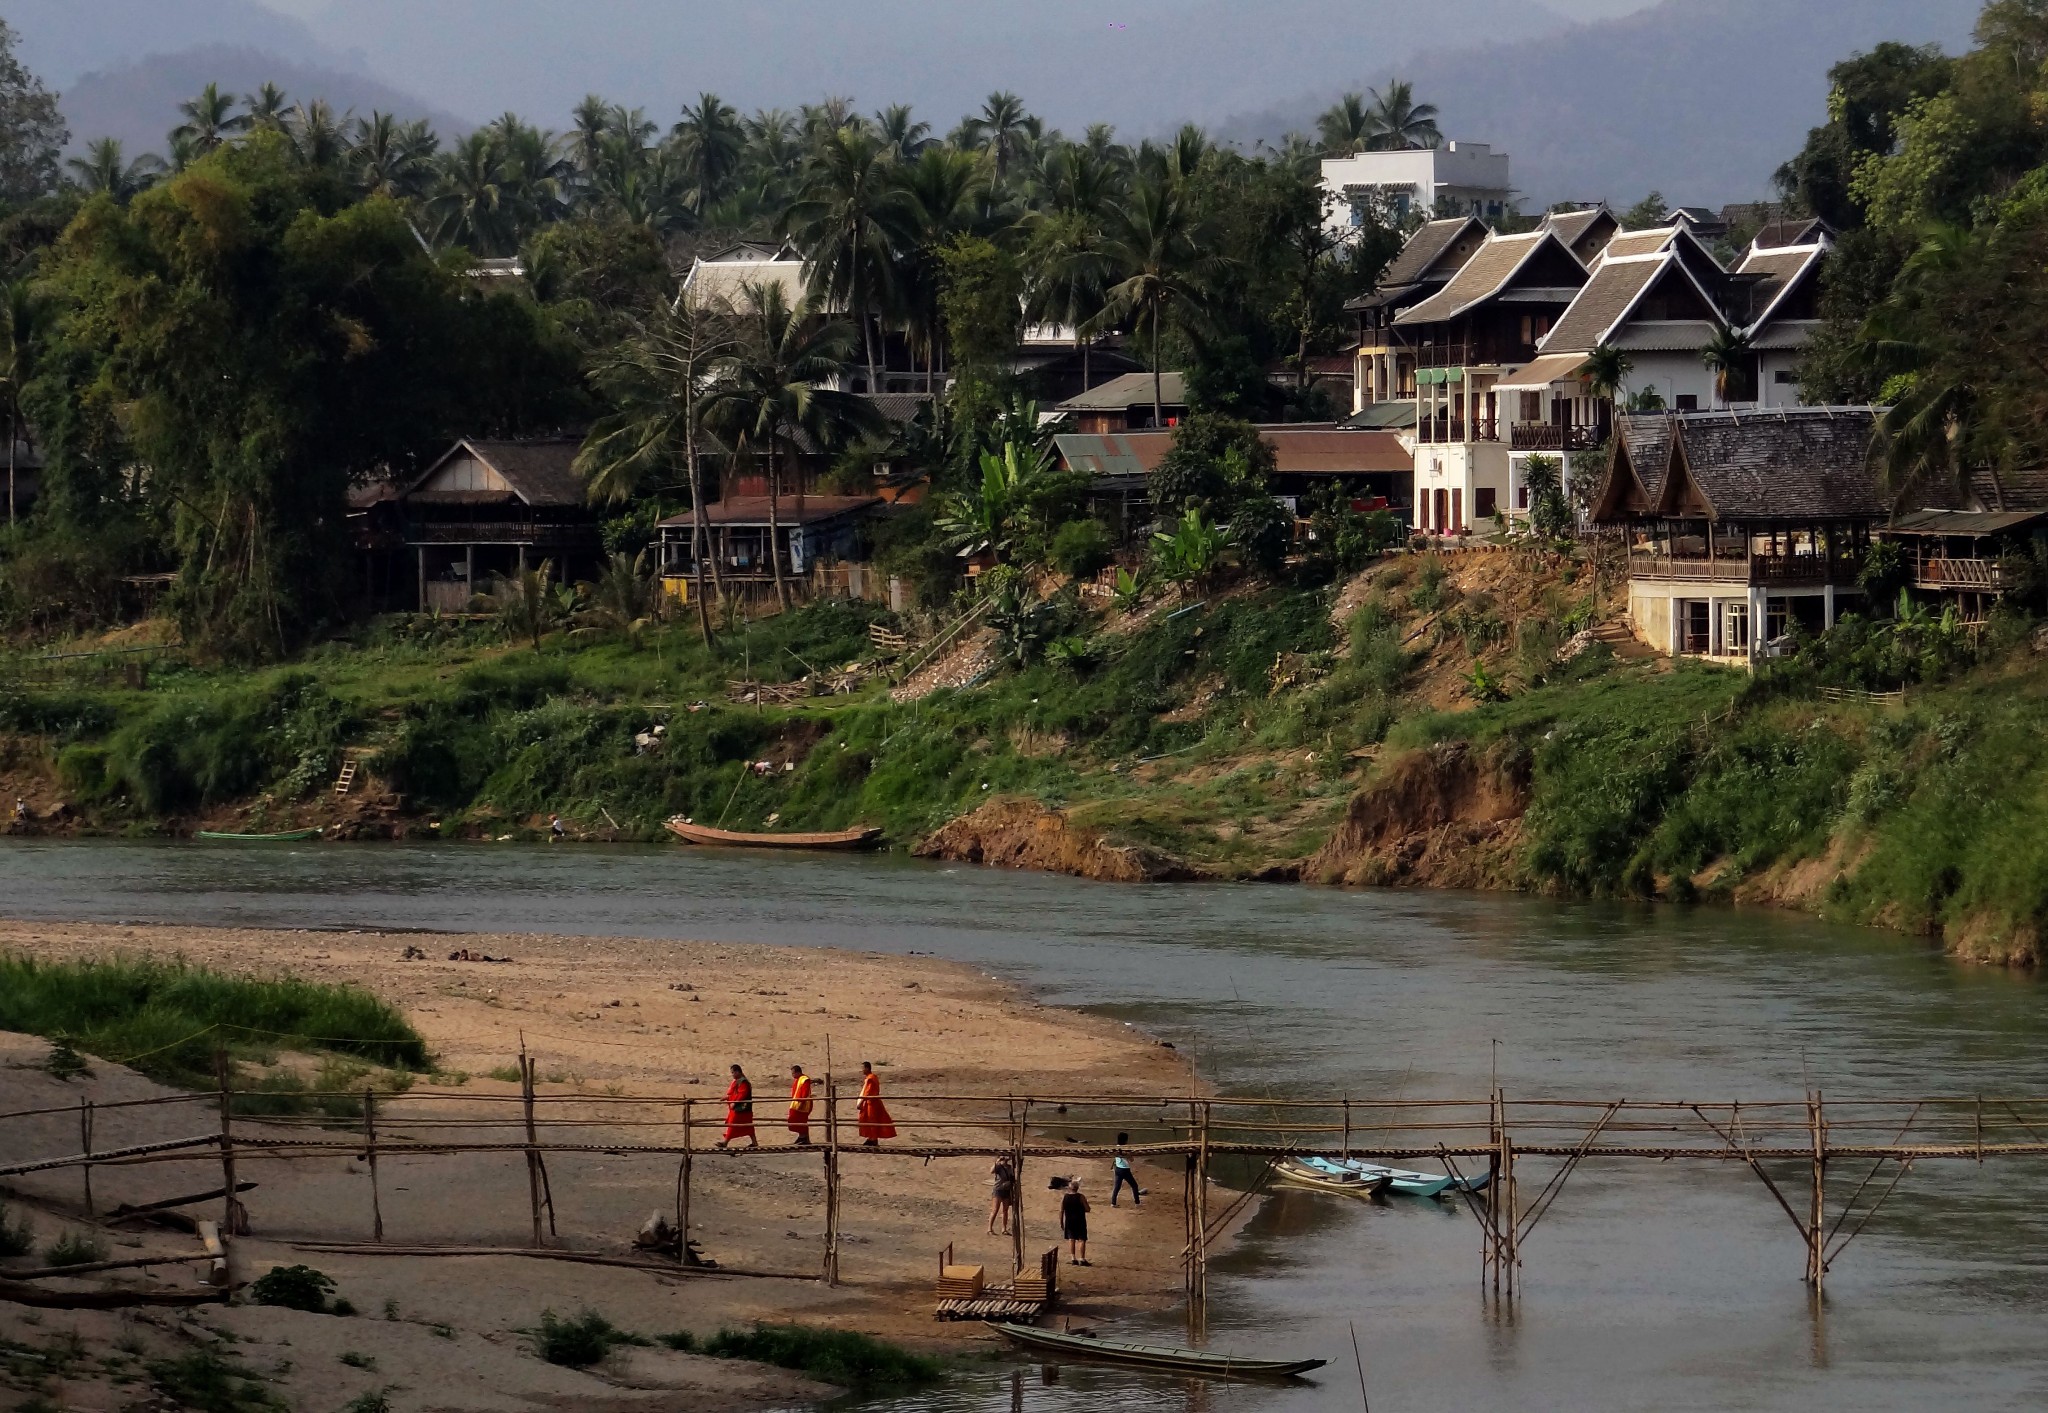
1807	464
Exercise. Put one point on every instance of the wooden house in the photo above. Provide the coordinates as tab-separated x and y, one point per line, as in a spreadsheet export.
814	530
487	509
1125	404
1740	524
1383	365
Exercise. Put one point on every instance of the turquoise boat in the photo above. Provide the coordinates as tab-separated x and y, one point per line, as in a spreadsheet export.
1360	1178
291	836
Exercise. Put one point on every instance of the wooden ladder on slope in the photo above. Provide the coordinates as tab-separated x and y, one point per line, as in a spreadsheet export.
346	781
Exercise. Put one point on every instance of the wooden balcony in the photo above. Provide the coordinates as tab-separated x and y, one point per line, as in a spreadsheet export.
1539	436
500	532
1790	571
1984	576
1445	431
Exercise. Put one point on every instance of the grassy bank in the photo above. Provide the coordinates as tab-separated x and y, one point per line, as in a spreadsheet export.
168	1020
1232	733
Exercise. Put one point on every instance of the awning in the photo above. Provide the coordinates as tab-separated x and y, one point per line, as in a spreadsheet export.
1550	368
1429	376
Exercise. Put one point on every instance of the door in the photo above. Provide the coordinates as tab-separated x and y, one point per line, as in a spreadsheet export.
1483	507
1443	512
1457	511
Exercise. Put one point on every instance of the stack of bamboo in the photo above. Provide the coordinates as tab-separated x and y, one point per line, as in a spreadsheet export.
1039	1289
960	1282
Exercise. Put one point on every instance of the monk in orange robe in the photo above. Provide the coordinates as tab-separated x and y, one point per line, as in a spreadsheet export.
800	1105
875	1124
739	1110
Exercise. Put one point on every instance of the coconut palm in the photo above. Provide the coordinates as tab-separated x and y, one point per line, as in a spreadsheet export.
1067	269
210	120
1399	122
1156	258
1728	354
317	137
267	108
942	191
1348	126
104	170
999	129
390	158
533	170
470	205
21	317
852	215
657	380
772	388
895	125
712	141
1606	372
589	122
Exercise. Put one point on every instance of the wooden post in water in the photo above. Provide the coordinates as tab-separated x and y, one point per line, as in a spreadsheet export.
1201	1302
85	1147
1510	1201
370	1146
831	1181
683	1187
1347	1128
1492	1225
532	1141
234	1218
1816	1237
1017	1212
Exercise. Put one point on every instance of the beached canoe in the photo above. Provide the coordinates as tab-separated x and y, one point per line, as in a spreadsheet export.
290	836
1370	1179
1155	1356
844	839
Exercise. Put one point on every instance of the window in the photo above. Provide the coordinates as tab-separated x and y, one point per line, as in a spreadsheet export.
1785	378
1698	623
1483	507
1542	325
1735	628
1688	402
1528	332
1521	497
1532	407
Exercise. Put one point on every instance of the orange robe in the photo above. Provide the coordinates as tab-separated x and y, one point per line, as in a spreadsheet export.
874	1114
739	1110
800	1107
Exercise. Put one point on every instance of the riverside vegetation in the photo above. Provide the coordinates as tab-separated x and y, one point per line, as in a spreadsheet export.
1421	722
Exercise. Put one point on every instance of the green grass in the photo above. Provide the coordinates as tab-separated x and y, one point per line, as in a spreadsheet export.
580	1341
17	1237
166	1019
76	1249
844	1358
205	1382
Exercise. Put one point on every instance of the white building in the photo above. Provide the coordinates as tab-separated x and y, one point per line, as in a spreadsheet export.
1458	178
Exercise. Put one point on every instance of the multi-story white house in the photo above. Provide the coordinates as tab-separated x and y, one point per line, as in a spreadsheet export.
1458	178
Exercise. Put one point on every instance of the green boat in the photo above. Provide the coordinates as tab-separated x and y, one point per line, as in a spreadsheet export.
1153	1356
290	836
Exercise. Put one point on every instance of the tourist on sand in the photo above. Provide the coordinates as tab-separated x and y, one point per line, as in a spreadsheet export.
800	1105
1003	1184
1124	1173
739	1110
1074	1224
875	1123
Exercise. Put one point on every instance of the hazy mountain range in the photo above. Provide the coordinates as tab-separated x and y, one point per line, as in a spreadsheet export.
1699	98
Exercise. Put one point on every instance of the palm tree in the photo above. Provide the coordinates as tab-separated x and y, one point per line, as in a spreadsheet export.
590	121
471	206
1925	439
941	191
711	140
1399	122
533	170
895	125
657	381
1606	372
266	108
1067	265
771	388
525	605
851	216
1348	127
1728	354
1155	253
21	317
210	120
391	158
999	129
104	170
317	138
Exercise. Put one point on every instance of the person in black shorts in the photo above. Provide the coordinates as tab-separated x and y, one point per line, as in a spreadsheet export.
1074	1224
1003	1186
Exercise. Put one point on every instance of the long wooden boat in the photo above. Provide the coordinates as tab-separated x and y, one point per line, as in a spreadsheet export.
1365	1179
289	836
843	839
1155	1356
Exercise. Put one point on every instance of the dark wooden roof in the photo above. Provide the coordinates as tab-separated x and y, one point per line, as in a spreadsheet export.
540	473
1423	256
1802	464
1493	270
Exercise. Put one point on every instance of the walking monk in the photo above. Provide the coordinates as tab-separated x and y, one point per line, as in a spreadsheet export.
875	1124
800	1105
739	1110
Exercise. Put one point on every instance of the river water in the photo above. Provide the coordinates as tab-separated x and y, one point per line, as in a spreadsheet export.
1648	1287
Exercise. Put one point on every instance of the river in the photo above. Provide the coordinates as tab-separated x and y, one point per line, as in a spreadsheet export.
1649	1287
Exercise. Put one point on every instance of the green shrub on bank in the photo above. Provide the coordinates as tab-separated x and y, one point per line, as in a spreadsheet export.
579	1342
844	1358
167	1018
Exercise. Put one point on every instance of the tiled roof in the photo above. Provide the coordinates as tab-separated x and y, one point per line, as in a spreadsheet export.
899	408
1573	226
1640	243
1482	277
1797	231
539	472
1603	303
1423	250
1782	270
1798	464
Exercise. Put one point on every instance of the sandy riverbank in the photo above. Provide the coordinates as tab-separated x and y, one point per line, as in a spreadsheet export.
604	1017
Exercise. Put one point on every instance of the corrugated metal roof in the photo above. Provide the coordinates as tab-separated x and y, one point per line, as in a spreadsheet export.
1964	522
1128	390
1297	451
1382	416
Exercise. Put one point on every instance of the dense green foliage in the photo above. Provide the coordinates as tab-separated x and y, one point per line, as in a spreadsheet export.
844	1358
168	1019
577	1342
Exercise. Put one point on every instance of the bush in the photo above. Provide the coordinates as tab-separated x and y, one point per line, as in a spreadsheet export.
293	1288
206	1383
1263	532
851	1361
77	1249
17	1237
1080	549
577	1343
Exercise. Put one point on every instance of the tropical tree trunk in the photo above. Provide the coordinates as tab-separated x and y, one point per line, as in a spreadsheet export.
1158	379
700	533
775	524
13	436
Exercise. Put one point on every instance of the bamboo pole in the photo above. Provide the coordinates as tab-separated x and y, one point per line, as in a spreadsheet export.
532	1143
234	1217
683	1187
1017	1167
1816	1259
831	1181
370	1145
1347	1128
1202	1221
85	1147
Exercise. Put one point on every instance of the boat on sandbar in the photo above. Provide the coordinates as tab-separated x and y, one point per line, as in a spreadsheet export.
1155	1356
